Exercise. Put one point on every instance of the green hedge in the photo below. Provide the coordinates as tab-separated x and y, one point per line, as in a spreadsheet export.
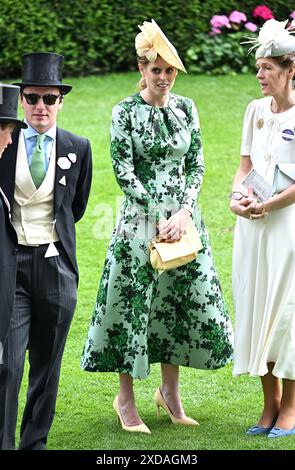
93	35
98	35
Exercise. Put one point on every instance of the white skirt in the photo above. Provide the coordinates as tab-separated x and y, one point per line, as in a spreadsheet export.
264	294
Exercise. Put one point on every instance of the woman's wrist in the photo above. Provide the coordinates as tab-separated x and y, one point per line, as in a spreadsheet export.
267	206
233	205
263	209
186	211
236	195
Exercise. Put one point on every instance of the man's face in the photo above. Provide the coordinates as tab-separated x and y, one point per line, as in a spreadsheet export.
41	116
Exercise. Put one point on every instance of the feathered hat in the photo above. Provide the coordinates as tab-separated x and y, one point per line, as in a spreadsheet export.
274	40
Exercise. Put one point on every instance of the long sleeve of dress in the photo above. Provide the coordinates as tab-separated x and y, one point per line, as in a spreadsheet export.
194	163
123	164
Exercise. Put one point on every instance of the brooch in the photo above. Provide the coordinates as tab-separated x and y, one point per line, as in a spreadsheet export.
260	123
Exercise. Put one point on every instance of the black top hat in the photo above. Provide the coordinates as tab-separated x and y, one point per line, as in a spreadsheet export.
43	69
8	105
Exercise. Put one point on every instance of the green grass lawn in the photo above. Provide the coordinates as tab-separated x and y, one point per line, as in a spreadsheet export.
223	405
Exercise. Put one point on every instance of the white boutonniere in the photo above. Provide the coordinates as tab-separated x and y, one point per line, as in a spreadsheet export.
64	163
72	157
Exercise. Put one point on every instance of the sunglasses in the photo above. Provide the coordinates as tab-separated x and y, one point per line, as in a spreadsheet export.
33	98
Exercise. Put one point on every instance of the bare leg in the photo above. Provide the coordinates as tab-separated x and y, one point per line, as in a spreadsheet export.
272	397
127	401
170	389
286	419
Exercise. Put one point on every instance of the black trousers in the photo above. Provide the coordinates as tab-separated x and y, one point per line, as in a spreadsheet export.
45	302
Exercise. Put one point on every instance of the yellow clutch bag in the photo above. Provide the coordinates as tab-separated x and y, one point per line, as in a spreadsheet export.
164	256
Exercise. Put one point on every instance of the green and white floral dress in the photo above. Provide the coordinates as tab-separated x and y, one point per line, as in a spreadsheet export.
140	317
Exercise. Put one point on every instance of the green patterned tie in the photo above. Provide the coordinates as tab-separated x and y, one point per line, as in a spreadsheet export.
37	167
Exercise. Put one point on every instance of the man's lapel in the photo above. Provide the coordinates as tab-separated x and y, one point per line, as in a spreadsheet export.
5	200
63	147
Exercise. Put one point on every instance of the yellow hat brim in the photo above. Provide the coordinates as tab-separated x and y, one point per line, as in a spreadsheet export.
166	50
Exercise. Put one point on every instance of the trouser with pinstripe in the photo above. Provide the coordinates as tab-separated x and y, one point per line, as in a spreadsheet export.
45	301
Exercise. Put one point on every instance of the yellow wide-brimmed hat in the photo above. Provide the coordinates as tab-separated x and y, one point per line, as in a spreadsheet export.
152	41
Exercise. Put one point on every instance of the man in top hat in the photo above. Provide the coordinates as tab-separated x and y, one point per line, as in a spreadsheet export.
8	239
46	176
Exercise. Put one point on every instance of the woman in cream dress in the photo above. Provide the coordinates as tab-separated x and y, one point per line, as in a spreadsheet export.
264	240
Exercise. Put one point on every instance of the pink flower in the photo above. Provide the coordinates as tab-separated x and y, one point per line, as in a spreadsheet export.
251	26
217	21
292	15
263	12
215	31
237	17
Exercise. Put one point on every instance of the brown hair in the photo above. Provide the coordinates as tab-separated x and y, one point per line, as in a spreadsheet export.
3	125
143	61
285	61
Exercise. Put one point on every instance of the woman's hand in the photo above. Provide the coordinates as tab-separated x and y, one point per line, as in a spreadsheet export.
249	210
243	207
172	229
259	211
248	207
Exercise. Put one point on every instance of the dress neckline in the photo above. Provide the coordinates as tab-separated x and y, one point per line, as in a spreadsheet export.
283	113
155	107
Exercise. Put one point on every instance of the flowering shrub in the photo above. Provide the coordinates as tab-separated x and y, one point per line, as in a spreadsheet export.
234	22
220	52
261	12
238	21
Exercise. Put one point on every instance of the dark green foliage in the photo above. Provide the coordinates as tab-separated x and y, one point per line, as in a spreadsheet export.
221	54
25	27
98	35
93	35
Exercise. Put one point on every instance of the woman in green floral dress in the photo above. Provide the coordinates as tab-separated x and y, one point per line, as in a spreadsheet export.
140	317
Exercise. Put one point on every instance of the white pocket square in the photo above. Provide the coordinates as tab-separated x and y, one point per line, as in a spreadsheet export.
72	157
64	163
63	181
